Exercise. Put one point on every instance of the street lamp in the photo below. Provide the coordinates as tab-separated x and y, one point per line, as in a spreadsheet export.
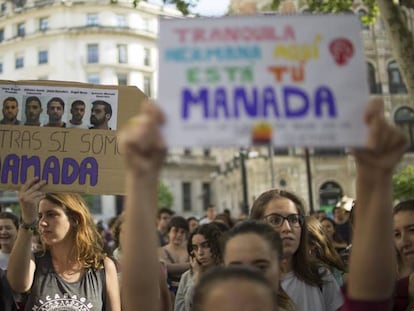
245	203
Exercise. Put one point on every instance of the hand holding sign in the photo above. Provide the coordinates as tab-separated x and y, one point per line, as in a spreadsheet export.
29	197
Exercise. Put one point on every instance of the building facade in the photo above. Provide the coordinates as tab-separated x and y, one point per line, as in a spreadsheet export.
99	42
320	176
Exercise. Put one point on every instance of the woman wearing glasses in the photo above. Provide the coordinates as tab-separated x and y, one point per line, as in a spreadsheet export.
307	282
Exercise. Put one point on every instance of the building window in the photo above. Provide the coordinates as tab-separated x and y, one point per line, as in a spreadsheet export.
147	57
395	81
122	79
187	152
122	53
1	67
374	87
207	152
206	195
93	53
186	187
280	151
43	57
21	30
404	118
329	151
1	35
43	23
147	86
19	62
92	19
3	7
93	78
121	21
43	78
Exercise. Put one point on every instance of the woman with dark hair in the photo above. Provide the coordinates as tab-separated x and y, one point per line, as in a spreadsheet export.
330	228
306	281
72	268
255	244
174	255
204	249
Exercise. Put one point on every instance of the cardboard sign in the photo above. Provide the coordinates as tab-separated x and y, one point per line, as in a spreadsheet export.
86	159
286	80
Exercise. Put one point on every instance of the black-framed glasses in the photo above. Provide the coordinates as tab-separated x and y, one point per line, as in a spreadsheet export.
276	220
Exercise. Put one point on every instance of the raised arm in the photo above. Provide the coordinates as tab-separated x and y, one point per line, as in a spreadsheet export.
372	261
144	151
21	264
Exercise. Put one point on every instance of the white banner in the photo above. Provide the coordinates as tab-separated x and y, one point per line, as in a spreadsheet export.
289	80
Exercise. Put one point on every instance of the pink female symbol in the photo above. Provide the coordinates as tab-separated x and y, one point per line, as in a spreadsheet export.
342	50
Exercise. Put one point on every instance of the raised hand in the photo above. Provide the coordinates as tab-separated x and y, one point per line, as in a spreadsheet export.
29	197
386	142
141	141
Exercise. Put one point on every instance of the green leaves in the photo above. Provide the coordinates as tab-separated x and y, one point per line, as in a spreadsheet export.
165	197
403	183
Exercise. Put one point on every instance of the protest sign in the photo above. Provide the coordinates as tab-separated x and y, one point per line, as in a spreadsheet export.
286	80
45	142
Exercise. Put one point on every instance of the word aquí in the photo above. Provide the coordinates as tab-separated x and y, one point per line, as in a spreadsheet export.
15	169
222	103
233	34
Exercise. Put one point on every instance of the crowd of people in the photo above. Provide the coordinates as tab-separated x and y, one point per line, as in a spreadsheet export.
280	258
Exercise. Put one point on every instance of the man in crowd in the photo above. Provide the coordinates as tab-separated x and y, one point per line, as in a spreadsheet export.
55	110
163	218
211	214
10	111
100	115
341	218
77	110
33	109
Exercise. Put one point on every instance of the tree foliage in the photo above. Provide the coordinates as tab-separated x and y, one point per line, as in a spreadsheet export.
182	5
165	197
403	183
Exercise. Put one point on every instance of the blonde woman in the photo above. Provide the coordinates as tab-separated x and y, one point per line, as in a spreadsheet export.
71	270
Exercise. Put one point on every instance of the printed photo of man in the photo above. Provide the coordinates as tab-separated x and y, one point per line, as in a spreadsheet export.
32	110
77	110
55	110
101	113
10	111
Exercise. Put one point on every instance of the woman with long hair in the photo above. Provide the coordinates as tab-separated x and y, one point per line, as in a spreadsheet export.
321	247
305	280
204	249
330	228
72	269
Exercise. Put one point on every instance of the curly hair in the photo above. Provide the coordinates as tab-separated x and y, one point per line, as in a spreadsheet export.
214	236
304	267
87	243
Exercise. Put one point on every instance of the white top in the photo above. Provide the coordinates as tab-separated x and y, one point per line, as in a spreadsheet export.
79	126
205	221
185	292
4	260
311	298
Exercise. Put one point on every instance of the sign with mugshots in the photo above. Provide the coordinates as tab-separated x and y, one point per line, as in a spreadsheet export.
64	133
285	80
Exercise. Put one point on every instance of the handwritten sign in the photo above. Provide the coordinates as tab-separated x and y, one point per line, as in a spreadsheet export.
285	80
83	159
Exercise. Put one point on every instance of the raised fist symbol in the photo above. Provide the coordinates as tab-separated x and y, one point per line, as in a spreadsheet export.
342	50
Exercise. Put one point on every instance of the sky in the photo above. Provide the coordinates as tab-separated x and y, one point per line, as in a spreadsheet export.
211	7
